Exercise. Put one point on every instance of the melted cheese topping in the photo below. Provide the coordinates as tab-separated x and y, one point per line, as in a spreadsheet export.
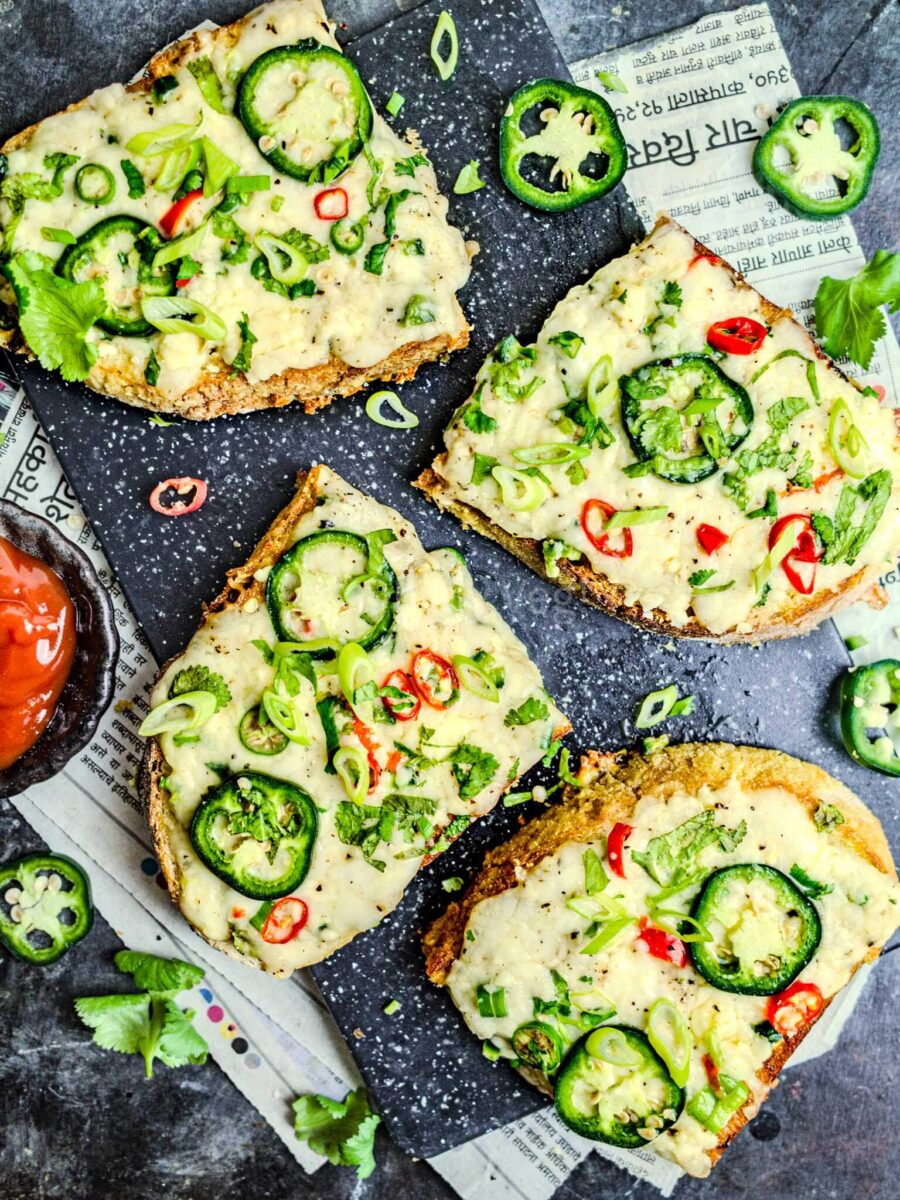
515	938
438	609
612	312
354	316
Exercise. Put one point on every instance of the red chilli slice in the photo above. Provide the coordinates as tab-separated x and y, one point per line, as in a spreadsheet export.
190	493
600	541
711	538
736	335
331	205
285	920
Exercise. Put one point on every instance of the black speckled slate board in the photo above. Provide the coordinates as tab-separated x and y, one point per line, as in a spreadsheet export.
427	1075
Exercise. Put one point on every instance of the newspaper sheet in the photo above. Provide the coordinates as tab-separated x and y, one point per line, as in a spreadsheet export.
275	1040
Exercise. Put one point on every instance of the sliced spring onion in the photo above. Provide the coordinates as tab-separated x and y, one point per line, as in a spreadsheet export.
352	768
94	184
208	83
468	180
856	642
518	491
611	1046
602	386
453	884
607	935
551	454
181	714
699	932
50	234
491	1001
276	251
284	713
445	26
219	167
772	361
846	441
391	1007
181	247
670	1037
355	669
491	1052
774	558
624	518
597	907
656	706
176	165
474	678
611	81
242	185
161	141
404	418
168	313
393	106
511	799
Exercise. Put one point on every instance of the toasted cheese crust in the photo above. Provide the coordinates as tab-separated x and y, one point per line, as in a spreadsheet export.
349	332
351	884
666	580
513	924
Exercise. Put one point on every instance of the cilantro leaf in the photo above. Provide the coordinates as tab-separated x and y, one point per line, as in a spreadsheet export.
201	679
482	467
702	576
813	888
343	1131
532	709
844	540
474	417
407	166
568	341
473	769
119	1023
149	1022
55	315
153	974
179	1042
672	857
661	430
241	361
849	319
553	550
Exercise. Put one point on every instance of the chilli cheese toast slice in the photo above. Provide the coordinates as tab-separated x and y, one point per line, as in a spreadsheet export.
347	707
675	449
652	949
237	229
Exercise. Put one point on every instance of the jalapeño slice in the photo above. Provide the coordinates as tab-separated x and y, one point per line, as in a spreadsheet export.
802	151
326	589
306	109
683	417
870	715
119	251
764	930
538	1045
259	735
612	1101
257	834
560	146
45	907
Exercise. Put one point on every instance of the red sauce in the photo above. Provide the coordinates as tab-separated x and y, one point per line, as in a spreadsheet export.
37	645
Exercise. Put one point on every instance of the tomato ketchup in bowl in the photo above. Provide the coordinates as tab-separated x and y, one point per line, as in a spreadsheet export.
58	649
37	646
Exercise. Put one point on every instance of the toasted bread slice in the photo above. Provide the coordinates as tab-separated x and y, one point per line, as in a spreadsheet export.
431	771
654	305
515	921
347	321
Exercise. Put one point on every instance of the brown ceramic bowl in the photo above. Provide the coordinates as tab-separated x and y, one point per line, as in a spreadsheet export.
89	688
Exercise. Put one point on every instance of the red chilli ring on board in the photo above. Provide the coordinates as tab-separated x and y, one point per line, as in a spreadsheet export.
189	495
